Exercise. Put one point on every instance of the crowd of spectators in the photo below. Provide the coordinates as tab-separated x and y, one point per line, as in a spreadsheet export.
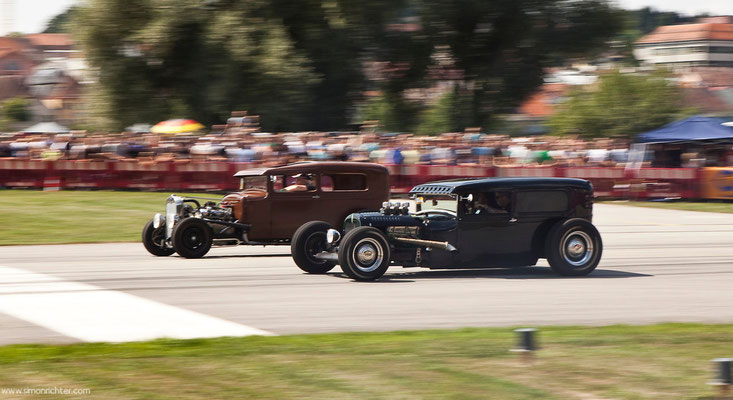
239	145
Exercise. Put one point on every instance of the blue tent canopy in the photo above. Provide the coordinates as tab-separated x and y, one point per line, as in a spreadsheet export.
687	130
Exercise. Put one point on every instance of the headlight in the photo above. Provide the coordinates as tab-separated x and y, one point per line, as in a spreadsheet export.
158	220
332	236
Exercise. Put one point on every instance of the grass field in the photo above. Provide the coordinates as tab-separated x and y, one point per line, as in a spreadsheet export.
36	217
668	361
718	207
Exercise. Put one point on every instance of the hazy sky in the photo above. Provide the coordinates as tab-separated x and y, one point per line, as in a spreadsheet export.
32	15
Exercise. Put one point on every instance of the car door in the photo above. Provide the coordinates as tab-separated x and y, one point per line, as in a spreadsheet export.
491	238
342	193
291	208
536	211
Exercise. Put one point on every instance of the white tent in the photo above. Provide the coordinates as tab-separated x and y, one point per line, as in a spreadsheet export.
47	127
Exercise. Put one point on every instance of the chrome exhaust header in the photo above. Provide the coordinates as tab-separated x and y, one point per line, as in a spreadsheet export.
427	243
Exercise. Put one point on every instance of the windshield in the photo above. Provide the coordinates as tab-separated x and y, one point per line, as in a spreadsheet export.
436	202
253	182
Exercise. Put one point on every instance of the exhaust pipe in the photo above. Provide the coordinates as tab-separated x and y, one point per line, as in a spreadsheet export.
427	243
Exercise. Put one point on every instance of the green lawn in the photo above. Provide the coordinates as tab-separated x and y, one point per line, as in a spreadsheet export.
707	206
668	361
35	217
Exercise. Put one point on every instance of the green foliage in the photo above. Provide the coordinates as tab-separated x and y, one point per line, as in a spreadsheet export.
301	65
619	105
15	110
62	22
392	111
451	113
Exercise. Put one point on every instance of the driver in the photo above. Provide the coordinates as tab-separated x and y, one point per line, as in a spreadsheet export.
500	204
302	183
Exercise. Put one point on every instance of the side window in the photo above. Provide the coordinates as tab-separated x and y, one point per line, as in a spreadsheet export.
300	182
542	201
338	182
278	183
326	183
488	203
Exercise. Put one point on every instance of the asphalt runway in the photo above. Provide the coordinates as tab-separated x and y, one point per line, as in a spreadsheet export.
657	266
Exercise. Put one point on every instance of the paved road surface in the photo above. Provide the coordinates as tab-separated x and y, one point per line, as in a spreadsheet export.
658	265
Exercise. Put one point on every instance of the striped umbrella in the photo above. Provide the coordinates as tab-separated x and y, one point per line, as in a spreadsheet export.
177	126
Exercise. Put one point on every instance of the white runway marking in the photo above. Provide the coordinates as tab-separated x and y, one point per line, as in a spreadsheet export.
95	314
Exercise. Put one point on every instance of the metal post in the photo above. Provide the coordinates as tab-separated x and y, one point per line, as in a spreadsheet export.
526	344
722	379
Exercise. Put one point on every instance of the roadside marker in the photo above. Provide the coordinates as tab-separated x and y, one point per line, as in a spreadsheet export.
94	314
526	345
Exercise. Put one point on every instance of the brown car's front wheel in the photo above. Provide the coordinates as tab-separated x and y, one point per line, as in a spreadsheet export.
154	240
192	238
309	240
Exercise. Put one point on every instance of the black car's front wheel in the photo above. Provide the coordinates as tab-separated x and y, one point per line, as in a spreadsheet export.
309	240
192	238
154	240
364	253
573	247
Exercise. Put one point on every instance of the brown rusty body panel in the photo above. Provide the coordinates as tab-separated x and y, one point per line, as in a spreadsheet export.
276	215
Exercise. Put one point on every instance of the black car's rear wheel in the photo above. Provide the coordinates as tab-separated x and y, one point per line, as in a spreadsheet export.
309	240
364	253
154	240
573	247
192	238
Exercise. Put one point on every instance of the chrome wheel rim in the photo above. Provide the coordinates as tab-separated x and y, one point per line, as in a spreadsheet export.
367	255
577	248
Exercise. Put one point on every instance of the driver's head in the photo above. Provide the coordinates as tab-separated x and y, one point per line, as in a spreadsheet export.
502	199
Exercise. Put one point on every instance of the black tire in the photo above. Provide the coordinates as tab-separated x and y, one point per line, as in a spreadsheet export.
308	240
192	238
154	240
573	247
375	253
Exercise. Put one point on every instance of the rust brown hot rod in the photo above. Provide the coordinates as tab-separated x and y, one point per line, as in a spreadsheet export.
270	206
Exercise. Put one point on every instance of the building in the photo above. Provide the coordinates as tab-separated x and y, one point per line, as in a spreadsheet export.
706	43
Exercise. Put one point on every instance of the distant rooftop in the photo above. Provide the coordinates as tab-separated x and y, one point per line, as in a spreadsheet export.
714	28
50	40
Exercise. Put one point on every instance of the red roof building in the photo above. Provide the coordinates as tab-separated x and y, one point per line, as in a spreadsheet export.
709	43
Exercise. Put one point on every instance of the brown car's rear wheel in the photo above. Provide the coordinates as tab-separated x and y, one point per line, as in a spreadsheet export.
192	238
154	240
309	240
364	253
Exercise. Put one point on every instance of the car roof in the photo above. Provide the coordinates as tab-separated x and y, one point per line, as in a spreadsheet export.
315	166
464	185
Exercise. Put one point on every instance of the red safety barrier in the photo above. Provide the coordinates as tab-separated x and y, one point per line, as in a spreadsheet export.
605	180
83	174
209	176
23	173
608	182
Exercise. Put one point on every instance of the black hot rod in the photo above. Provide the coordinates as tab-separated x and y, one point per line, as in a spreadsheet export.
466	223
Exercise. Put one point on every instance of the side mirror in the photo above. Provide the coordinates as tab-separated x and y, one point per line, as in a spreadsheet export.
468	198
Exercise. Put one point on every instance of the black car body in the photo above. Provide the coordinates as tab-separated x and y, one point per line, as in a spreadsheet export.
466	223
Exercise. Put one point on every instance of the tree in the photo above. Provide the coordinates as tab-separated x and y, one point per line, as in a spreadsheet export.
163	59
305	65
61	22
15	110
619	105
